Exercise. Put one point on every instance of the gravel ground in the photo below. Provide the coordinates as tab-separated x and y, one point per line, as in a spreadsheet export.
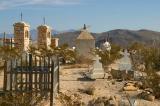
71	80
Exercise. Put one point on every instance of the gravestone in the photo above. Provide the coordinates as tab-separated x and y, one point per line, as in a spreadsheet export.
125	62
97	71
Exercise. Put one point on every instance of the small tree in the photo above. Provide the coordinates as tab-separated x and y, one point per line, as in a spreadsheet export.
66	53
108	57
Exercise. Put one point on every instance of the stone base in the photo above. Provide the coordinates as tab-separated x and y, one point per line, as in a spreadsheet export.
96	75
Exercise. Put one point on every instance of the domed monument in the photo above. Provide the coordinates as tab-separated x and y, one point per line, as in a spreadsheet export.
85	42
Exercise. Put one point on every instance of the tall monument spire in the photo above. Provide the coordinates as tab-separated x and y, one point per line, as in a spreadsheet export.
84	27
4	35
44	20
21	16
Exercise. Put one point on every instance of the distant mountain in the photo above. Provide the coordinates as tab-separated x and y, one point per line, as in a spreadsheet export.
126	37
33	33
65	31
68	37
121	37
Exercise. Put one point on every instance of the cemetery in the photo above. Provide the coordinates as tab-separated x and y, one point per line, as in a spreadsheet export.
85	75
95	85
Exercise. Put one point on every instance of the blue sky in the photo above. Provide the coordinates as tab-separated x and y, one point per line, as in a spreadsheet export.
101	15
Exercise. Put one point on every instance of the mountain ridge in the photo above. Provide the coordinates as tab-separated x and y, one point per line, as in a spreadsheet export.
121	37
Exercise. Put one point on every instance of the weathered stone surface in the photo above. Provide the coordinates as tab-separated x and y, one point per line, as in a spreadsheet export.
149	97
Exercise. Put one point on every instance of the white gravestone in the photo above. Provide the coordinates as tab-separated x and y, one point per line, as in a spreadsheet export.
97	72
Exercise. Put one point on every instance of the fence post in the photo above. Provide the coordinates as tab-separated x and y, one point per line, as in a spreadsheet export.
15	79
11	75
52	83
30	72
5	77
35	75
58	75
48	80
21	69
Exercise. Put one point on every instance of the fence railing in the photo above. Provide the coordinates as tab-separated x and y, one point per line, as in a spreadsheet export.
32	74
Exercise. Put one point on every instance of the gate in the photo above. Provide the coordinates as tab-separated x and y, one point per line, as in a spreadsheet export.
32	75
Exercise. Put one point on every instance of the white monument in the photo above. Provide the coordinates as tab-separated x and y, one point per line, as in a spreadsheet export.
97	71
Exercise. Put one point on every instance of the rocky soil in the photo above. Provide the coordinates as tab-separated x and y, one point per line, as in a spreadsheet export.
76	90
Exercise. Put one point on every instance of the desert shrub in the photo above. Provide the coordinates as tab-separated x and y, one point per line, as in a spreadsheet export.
150	57
19	99
108	57
90	90
104	101
70	99
153	81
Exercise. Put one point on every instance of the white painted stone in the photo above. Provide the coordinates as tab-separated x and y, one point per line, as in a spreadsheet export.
97	72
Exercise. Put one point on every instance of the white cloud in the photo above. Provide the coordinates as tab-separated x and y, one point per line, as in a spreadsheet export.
5	4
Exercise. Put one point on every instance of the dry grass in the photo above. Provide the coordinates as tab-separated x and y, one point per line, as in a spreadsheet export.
70	99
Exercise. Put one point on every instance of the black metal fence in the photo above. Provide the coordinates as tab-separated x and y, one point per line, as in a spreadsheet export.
33	74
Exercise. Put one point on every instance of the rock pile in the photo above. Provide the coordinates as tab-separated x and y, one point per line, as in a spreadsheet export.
147	94
130	86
